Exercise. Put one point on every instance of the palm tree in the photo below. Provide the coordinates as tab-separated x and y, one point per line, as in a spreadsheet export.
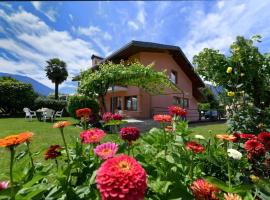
56	71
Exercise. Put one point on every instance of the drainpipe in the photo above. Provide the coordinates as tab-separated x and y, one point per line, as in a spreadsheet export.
113	99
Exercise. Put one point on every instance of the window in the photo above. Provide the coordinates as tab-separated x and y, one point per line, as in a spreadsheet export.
183	102
173	76
131	103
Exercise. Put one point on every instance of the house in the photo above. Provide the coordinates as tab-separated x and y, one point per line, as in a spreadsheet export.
136	103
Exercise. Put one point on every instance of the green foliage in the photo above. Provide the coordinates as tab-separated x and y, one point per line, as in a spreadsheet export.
43	102
77	101
248	79
109	74
56	71
203	106
15	95
210	98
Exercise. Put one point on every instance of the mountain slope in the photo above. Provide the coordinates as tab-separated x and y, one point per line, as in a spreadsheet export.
37	86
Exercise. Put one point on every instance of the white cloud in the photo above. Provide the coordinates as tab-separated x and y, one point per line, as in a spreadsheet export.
48	12
218	28
133	25
98	36
71	17
33	42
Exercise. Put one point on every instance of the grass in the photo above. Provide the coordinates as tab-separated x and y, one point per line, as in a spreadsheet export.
45	135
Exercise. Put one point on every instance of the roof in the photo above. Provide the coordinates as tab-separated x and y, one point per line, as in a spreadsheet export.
138	46
95	56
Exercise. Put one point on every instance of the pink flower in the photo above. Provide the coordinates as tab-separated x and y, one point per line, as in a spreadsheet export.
109	116
90	136
3	185
130	133
195	147
117	117
121	177
106	150
178	111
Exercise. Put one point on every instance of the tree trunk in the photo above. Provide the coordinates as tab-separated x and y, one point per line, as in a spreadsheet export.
56	91
103	103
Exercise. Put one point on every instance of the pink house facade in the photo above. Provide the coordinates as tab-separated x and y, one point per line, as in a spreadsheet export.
134	102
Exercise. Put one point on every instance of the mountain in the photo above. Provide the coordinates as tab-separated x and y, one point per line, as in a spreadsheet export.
37	86
215	89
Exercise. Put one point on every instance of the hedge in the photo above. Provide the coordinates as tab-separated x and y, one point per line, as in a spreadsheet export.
77	102
44	102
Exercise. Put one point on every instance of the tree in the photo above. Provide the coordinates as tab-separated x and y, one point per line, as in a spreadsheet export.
15	95
244	73
210	98
56	71
97	82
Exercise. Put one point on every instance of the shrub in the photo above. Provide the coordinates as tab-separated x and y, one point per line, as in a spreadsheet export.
15	95
77	102
43	102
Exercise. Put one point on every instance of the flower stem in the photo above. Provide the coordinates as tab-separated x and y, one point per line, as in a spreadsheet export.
228	166
12	155
191	167
65	144
30	156
56	162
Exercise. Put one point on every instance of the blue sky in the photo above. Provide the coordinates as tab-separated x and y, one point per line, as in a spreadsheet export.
33	32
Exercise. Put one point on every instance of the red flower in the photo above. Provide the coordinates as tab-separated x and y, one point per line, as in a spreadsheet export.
203	190
264	137
121	177
195	147
53	152
163	118
84	112
130	133
247	136
109	116
178	111
90	136
254	148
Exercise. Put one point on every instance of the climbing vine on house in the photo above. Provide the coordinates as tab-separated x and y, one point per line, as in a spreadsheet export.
97	82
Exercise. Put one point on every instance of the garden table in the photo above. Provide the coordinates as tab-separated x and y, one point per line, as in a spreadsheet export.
40	113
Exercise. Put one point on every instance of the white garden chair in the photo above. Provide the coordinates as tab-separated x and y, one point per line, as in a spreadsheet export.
48	114
29	114
59	113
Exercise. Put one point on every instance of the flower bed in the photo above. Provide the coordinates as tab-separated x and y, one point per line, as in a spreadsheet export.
166	163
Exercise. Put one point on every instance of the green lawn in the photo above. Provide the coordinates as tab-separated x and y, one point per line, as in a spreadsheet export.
45	135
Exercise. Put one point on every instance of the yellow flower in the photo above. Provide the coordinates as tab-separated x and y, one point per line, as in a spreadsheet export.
230	93
229	70
254	179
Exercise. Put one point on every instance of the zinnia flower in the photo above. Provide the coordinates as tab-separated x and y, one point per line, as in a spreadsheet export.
117	117
200	137
234	154
230	196
229	70
130	133
231	138
230	93
203	190
255	149
178	111
247	136
94	135
195	147
83	112
53	152
106	150
14	140
3	185
61	124
264	137
109	116
121	177
163	118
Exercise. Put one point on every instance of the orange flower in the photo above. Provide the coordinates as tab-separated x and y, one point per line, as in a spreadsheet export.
231	138
163	118
61	124
14	140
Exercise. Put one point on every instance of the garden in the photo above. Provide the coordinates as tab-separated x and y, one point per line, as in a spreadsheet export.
102	157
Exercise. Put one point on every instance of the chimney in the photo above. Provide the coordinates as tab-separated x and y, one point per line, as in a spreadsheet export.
95	60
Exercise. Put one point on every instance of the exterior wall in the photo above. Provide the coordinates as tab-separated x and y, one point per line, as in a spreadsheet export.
148	105
159	103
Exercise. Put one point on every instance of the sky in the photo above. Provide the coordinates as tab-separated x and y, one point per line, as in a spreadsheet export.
33	32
